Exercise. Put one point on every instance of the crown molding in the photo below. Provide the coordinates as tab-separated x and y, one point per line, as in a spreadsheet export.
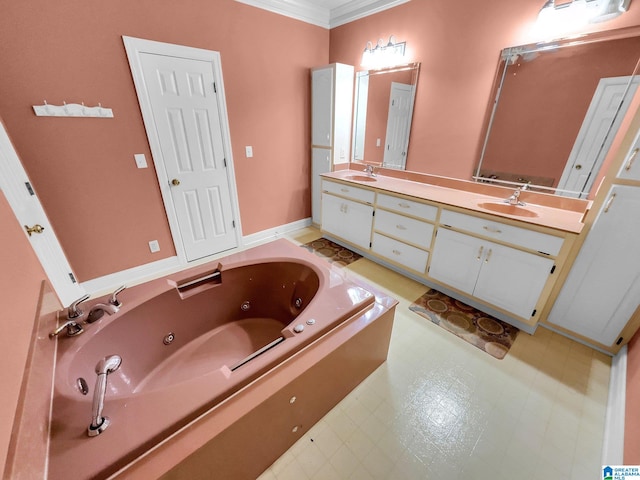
306	11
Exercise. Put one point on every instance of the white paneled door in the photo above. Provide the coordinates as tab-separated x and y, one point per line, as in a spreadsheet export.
181	100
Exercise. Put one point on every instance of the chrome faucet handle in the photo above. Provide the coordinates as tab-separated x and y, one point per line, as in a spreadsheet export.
114	297
73	328
73	311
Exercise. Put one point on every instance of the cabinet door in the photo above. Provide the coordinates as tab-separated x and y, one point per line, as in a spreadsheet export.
512	279
631	167
602	289
348	220
456	259
322	107
320	163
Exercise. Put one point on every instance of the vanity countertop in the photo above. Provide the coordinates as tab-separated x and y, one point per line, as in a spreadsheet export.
549	212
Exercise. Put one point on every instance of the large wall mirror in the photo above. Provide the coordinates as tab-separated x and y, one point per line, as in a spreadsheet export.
384	101
557	108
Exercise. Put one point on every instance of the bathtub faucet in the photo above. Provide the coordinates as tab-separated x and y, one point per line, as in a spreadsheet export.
73	311
104	367
99	309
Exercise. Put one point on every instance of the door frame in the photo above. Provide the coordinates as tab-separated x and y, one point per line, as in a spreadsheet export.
136	46
50	254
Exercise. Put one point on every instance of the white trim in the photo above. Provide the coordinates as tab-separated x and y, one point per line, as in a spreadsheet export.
274	233
613	444
136	46
131	276
307	11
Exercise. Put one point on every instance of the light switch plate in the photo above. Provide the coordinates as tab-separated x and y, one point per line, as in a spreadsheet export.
141	161
154	246
249	151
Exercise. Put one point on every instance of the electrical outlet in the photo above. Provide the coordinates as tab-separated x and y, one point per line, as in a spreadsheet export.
141	161
154	246
248	151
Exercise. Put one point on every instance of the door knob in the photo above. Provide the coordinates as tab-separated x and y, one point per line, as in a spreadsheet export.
175	182
37	228
578	167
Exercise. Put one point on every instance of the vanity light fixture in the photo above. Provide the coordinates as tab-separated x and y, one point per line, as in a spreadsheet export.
577	13
383	55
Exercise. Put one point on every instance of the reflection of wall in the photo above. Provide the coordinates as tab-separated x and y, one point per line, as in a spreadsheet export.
543	103
103	208
632	414
458	45
378	111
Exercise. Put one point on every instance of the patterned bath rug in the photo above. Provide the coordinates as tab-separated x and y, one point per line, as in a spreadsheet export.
332	252
475	327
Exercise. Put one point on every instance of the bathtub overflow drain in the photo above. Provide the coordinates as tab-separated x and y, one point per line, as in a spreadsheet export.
245	306
170	337
298	302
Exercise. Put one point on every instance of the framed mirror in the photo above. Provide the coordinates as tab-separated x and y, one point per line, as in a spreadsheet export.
557	108
383	110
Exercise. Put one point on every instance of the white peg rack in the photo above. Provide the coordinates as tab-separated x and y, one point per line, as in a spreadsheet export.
72	110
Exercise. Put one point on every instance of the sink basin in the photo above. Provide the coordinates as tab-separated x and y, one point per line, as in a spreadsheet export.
516	210
360	178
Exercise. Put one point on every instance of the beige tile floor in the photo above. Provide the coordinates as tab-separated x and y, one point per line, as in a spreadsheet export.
440	408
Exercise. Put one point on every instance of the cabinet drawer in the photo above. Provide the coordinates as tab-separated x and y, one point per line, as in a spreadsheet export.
407	207
355	193
410	257
522	237
404	228
631	167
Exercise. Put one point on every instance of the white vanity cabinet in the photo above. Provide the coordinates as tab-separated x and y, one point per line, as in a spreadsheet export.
347	213
503	276
331	111
403	231
602	290
630	169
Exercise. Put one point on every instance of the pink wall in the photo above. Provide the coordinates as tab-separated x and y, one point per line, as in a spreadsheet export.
21	277
103	208
632	413
458	45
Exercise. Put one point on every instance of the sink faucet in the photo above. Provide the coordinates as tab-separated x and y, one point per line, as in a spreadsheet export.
104	367
369	170
514	199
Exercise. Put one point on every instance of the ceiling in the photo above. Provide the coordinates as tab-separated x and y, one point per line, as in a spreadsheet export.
325	13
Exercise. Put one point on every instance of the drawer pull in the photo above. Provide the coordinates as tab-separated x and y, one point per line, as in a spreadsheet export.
345	190
397	252
401	227
631	159
479	253
404	205
609	202
486	260
492	229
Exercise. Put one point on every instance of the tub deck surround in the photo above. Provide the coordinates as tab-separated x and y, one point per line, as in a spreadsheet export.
552	211
161	391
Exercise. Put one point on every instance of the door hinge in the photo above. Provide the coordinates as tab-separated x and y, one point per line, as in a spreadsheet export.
29	188
215	89
73	279
534	313
553	269
619	341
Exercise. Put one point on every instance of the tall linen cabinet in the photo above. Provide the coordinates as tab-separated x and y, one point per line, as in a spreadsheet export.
331	112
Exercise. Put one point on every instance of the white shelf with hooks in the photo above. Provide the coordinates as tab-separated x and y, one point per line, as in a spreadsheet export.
72	110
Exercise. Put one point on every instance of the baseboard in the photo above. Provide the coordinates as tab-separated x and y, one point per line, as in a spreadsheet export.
613	445
149	271
273	233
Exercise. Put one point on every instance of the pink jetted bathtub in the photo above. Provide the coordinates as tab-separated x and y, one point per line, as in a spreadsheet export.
189	342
